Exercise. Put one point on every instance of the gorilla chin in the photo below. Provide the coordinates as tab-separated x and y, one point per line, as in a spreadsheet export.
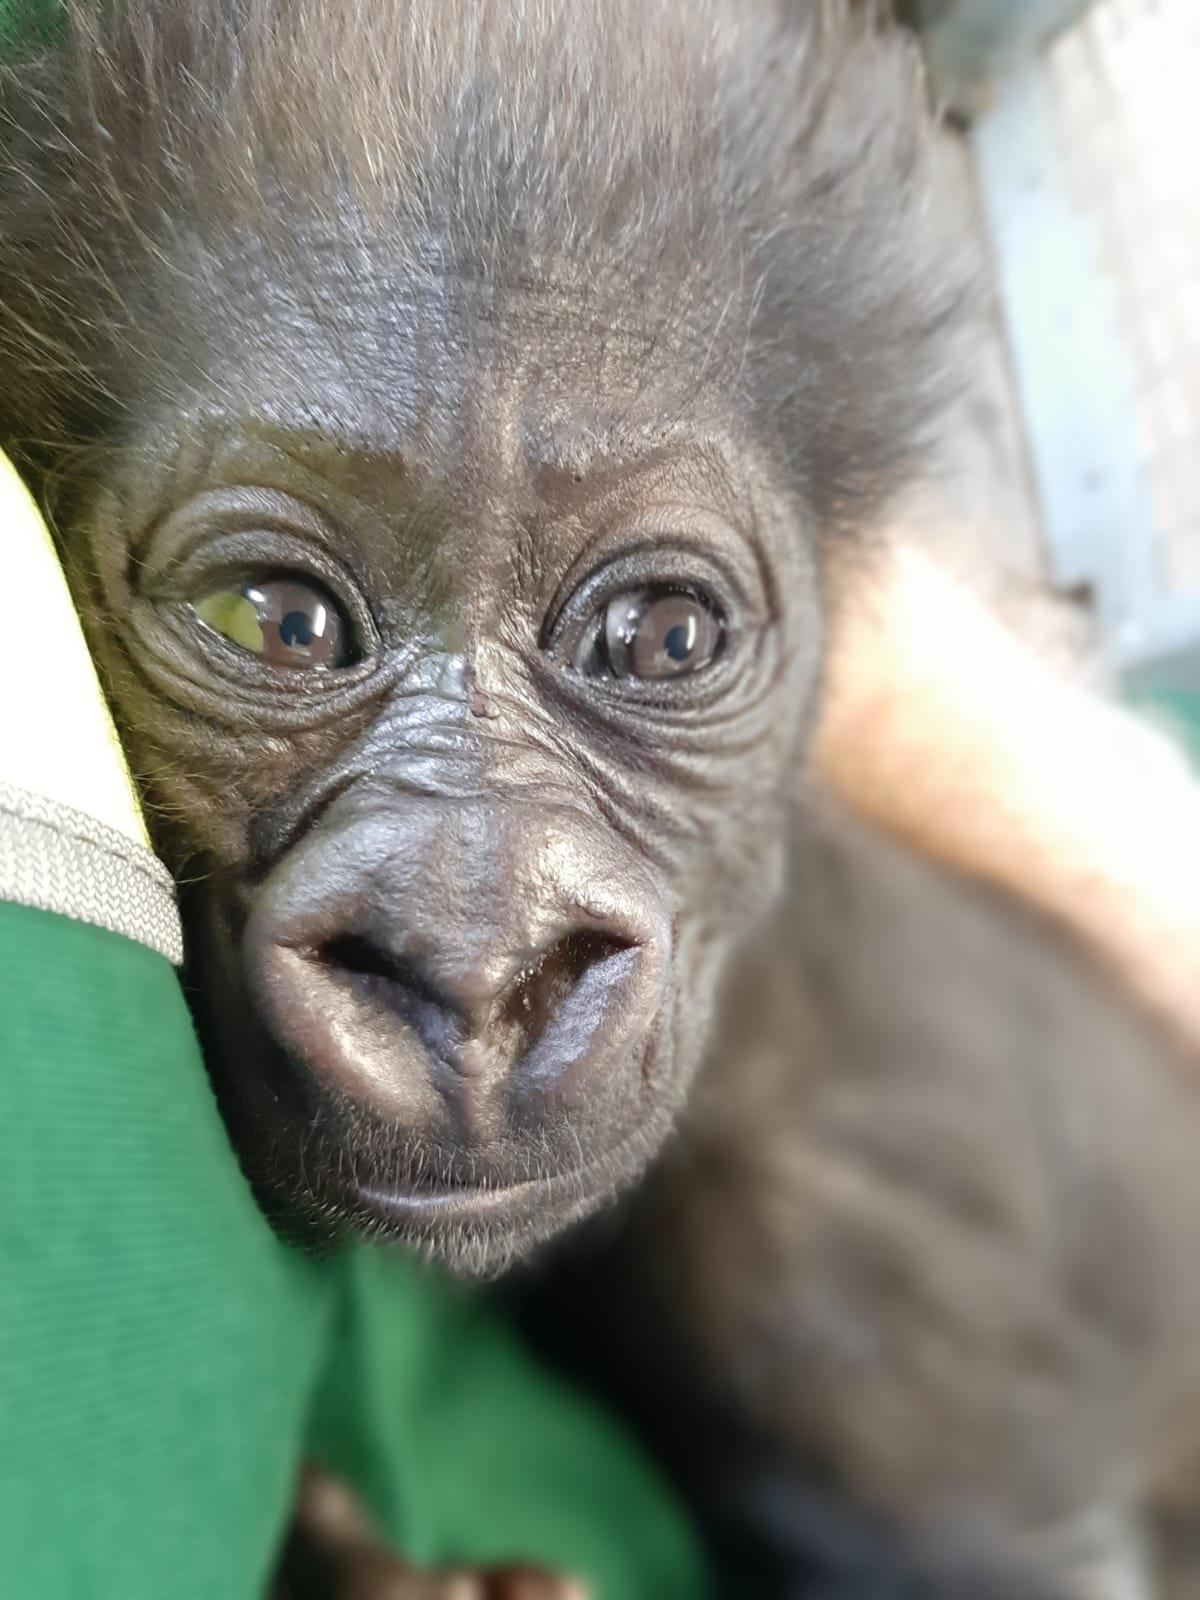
480	1228
324	1166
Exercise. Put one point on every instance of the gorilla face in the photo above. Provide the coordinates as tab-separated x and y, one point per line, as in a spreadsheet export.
445	474
479	741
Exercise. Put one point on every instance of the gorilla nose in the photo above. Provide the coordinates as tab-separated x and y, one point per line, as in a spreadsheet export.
491	1015
481	965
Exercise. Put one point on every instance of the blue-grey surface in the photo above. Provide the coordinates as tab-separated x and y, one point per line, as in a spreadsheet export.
1074	173
972	42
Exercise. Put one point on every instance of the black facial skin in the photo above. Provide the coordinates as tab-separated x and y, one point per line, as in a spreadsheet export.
450	949
496	336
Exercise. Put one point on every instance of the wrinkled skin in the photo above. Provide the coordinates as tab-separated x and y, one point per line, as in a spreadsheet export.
478	330
465	815
457	907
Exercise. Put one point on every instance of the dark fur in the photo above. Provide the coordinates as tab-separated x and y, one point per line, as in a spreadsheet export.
711	179
906	1304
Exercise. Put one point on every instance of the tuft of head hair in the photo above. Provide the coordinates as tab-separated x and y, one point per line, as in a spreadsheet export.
746	178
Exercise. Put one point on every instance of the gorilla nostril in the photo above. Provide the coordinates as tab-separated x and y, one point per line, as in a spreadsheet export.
570	982
533	999
399	984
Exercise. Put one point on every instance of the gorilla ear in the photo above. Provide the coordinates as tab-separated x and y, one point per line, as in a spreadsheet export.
944	731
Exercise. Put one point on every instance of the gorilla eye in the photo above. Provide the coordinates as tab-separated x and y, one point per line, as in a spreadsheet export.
652	632
285	621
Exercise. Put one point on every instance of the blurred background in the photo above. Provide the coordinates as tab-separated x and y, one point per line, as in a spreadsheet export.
1070	479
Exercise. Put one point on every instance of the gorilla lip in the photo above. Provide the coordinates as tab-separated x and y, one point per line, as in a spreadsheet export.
448	1203
477	1202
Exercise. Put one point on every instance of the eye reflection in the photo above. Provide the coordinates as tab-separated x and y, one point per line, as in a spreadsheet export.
285	621
650	633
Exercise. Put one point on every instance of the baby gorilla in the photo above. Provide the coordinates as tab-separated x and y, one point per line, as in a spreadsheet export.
446	426
455	430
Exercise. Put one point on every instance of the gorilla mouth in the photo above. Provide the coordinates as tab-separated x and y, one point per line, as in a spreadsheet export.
449	1202
478	1229
441	1207
445	1190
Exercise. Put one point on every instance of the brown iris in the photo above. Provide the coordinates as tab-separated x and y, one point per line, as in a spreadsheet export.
285	621
651	632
